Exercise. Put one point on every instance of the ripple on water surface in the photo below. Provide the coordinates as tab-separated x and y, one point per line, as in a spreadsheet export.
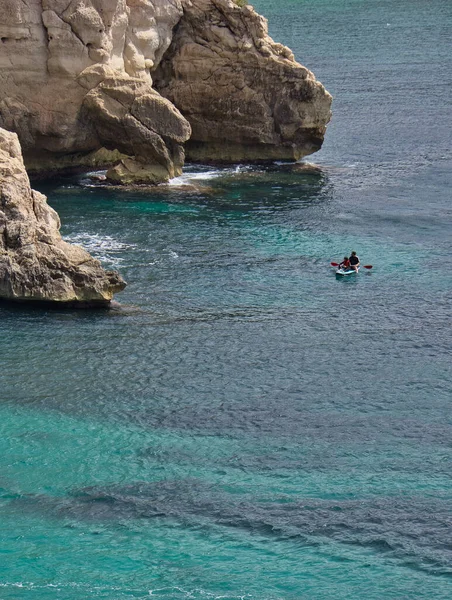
244	425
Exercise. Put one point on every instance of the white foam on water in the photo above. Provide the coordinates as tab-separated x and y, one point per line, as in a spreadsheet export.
100	173
205	175
186	179
104	248
93	178
178	181
30	585
195	593
310	165
282	163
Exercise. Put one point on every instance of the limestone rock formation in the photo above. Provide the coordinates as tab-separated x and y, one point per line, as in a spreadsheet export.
75	78
79	78
129	116
244	95
35	263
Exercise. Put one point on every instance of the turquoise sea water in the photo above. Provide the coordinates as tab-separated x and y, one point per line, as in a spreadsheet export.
245	425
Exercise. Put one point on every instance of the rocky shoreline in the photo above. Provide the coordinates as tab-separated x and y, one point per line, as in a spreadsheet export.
36	264
137	86
141	84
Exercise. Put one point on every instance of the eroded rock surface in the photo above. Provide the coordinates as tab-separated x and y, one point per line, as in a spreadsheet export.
80	76
36	264
244	95
75	78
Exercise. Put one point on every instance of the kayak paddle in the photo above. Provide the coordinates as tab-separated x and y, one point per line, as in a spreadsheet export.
365	266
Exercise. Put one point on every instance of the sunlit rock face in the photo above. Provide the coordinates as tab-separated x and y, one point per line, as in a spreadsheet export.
245	96
139	78
75	76
35	263
132	83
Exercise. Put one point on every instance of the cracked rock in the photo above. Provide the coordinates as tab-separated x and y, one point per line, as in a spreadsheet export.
36	264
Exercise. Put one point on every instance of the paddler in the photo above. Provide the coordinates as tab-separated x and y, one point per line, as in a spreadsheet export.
345	264
354	261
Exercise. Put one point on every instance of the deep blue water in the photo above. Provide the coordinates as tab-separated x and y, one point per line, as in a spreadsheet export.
244	425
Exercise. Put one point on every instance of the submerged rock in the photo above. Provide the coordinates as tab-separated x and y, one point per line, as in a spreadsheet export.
36	264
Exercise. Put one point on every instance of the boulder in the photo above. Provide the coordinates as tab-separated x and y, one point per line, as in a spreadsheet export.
245	96
36	264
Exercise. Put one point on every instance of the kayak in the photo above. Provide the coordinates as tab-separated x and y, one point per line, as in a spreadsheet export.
343	273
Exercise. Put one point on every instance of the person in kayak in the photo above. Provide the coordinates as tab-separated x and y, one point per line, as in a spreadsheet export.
345	264
354	261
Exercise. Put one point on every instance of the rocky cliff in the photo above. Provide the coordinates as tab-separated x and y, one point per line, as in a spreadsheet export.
136	77
245	96
35	263
75	78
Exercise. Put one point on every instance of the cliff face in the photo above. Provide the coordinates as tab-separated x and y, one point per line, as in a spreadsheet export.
84	82
77	76
245	96
35	263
